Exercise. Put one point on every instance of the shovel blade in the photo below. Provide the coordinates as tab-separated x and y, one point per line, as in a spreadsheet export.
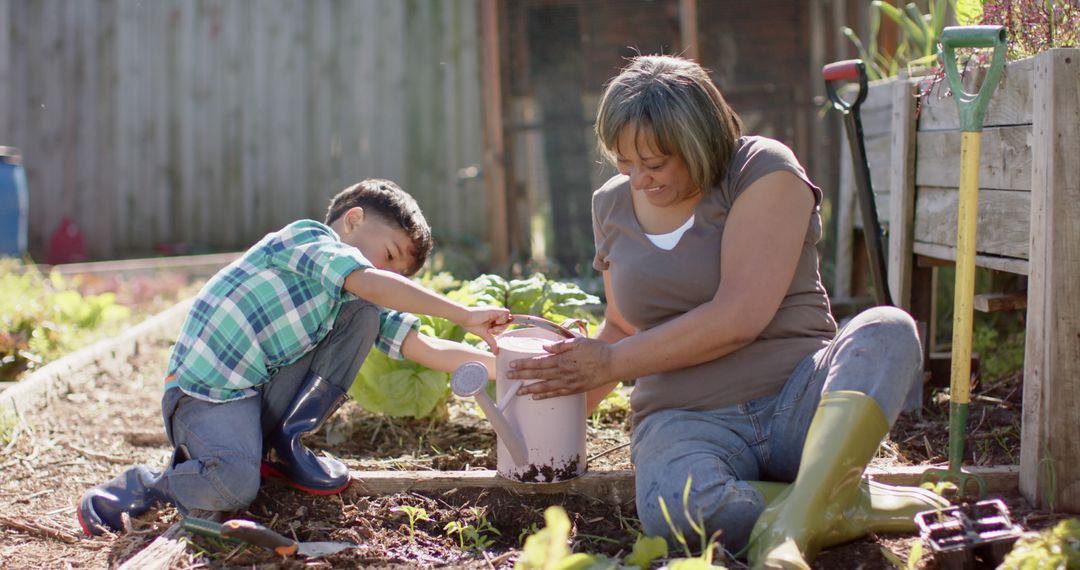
313	549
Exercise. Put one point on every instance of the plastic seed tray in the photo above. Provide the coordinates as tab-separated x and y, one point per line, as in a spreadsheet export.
975	535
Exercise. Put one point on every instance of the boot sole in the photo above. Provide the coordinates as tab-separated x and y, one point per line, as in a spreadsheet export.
85	527
268	472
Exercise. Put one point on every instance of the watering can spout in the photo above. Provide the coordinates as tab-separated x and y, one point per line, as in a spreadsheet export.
470	379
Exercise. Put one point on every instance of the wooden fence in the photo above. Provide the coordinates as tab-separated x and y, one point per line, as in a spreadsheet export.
211	122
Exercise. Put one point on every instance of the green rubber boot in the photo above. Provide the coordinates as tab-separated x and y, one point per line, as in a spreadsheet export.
810	515
879	508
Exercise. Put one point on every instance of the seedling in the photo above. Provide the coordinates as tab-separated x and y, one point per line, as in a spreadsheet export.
414	514
477	535
708	544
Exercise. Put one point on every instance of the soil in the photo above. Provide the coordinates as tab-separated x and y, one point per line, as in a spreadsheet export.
88	436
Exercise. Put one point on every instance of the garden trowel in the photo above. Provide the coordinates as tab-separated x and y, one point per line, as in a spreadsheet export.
251	532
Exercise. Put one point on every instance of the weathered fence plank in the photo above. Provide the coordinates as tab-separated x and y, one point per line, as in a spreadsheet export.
210	123
1004	221
1004	159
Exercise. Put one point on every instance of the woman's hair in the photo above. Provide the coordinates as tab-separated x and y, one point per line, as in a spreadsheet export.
675	100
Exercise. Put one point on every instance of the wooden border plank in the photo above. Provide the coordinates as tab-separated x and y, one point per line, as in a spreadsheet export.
57	376
613	487
1050	442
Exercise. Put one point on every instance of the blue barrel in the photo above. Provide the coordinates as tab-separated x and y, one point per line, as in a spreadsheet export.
14	204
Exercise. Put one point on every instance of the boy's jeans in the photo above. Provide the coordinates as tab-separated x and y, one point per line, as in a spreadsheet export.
225	439
878	353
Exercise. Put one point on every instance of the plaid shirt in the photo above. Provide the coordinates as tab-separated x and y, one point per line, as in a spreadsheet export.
267	309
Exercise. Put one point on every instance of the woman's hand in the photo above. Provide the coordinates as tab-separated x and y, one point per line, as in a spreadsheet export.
572	367
486	322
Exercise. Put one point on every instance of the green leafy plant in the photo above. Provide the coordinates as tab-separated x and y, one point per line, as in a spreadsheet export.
1057	547
400	388
549	548
42	318
414	514
646	549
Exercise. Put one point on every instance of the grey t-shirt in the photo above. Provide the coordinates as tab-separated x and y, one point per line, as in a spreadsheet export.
652	286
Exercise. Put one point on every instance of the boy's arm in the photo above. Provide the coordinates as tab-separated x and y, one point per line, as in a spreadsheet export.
444	355
393	291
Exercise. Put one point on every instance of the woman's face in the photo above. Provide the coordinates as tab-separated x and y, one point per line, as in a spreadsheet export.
664	179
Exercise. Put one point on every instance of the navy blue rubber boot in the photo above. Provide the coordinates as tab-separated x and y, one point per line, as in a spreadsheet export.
286	456
134	491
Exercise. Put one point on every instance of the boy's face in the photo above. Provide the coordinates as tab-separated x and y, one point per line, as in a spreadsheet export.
384	244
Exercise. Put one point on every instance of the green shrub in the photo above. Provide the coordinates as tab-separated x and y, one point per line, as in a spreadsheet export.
42	318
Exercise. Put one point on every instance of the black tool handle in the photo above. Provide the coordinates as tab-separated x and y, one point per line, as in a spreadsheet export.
241	530
845	71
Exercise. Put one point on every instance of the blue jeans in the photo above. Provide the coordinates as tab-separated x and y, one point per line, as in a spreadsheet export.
220	444
878	353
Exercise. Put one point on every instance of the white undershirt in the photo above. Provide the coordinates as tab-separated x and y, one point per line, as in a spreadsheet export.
669	240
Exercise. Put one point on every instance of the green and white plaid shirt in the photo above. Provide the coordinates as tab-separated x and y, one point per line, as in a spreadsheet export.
267	309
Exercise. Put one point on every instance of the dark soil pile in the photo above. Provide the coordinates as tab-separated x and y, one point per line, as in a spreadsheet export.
86	437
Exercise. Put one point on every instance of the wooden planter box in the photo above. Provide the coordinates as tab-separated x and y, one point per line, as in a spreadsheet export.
1028	224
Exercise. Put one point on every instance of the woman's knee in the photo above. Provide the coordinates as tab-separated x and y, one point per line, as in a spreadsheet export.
727	506
887	331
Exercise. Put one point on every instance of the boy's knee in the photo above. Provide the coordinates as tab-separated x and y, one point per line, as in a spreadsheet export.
239	478
358	316
223	483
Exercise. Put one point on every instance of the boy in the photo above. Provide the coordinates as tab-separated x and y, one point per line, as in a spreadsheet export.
271	346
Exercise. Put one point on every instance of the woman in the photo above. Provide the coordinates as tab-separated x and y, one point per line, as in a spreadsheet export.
706	240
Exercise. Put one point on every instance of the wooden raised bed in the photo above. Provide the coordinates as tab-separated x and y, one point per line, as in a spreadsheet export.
1028	224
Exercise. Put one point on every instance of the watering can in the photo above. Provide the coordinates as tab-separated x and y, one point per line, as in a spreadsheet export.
539	441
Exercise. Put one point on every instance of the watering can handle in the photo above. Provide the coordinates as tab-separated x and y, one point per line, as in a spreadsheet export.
972	106
545	324
847	70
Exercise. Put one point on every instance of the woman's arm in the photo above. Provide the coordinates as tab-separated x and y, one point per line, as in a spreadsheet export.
444	355
612	330
760	250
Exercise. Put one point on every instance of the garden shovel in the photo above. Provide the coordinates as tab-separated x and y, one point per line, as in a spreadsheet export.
850	70
251	532
972	109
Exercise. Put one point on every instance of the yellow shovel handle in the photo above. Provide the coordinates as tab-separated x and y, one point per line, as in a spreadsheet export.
963	310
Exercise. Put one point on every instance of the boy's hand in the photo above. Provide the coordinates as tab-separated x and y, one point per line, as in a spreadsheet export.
486	322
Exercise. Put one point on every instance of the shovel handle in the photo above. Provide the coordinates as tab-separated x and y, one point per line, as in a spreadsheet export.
240	530
972	106
847	70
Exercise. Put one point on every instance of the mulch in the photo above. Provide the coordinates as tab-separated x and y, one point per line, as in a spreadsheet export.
87	436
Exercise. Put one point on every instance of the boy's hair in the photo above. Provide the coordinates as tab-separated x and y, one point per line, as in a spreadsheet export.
387	201
676	102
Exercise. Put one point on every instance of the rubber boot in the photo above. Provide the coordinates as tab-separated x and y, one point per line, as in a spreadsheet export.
879	508
133	492
287	457
843	437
